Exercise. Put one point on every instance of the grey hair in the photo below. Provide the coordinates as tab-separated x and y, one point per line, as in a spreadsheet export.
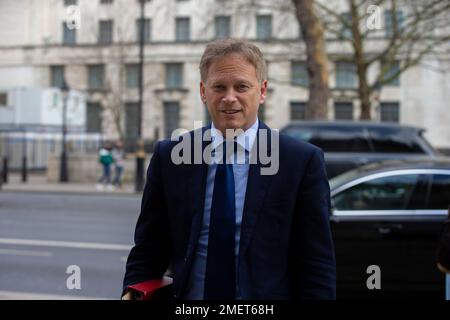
223	47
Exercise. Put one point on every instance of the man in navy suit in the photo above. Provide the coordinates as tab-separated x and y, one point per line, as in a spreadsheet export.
227	228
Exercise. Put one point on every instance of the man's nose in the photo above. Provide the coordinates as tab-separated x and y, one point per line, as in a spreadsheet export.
229	97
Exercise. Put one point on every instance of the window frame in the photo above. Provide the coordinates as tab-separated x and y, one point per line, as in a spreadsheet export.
260	36
340	67
177	26
295	108
224	19
53	69
102	32
129	67
341	104
90	68
180	82
69	36
299	67
147	30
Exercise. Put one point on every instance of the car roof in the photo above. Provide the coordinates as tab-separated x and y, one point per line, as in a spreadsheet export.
442	163
352	124
413	163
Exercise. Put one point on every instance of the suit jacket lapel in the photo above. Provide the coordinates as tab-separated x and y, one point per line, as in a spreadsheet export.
257	186
196	193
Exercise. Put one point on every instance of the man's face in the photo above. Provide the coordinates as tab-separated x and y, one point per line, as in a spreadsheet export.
232	93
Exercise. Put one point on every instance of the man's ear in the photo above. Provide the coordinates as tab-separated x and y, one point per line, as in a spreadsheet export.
263	93
202	91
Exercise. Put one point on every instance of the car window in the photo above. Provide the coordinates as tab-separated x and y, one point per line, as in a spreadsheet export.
304	134
385	193
389	140
333	138
440	192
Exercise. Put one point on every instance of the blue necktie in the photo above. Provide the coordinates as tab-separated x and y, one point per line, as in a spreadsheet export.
220	281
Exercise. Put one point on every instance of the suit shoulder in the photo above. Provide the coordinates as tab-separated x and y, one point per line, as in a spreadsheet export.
165	146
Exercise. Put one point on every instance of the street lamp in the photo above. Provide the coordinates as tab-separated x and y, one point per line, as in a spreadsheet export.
140	152
63	174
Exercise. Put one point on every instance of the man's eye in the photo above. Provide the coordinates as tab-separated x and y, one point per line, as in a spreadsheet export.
218	87
243	87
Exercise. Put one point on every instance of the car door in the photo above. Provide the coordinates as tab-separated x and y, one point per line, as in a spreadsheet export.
372	222
424	232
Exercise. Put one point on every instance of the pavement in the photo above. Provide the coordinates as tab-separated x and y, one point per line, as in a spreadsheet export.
37	182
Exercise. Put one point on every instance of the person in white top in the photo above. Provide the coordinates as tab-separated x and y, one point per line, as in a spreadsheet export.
118	156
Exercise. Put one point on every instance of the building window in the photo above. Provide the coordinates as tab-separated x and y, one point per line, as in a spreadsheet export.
389	112
105	35
345	75
132	74
264	27
96	76
69	35
132	123
394	68
106	1
343	111
182	29
222	27
174	75
93	117
298	110
70	3
389	21
3	99
299	73
171	117
56	76
346	30
147	30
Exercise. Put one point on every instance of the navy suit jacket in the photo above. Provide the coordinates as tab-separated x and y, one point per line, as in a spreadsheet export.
286	249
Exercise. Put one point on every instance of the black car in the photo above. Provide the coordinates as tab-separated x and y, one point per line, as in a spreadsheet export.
349	144
388	215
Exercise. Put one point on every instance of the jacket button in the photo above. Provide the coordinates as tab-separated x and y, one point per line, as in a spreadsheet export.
185	259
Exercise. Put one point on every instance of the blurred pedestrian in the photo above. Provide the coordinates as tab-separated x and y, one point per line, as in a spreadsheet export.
443	253
118	156
105	159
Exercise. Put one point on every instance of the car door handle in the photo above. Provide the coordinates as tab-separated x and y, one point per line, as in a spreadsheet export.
389	228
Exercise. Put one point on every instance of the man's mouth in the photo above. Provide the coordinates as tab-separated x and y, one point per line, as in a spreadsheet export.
230	111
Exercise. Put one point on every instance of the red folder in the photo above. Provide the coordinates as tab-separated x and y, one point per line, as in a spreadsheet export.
155	289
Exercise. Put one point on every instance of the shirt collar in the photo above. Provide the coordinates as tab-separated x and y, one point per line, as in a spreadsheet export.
246	139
